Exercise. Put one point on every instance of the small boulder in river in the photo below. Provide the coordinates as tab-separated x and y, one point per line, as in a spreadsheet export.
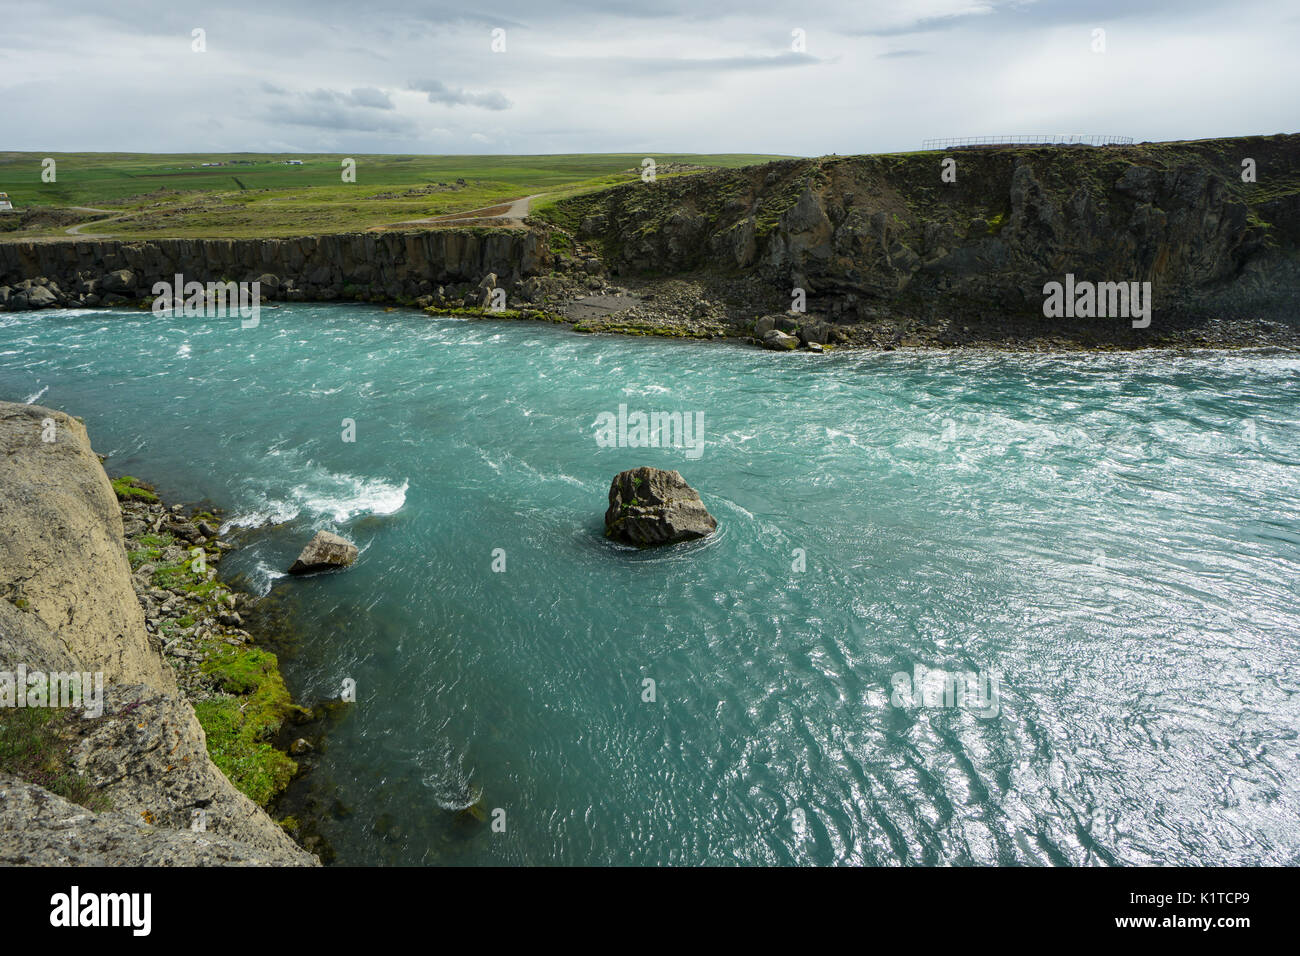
323	552
648	507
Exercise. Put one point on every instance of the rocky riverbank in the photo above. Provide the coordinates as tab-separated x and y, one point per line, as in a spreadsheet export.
177	760
257	735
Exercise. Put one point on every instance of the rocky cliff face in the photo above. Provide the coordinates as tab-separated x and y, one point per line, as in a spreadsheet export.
873	235
388	266
61	551
67	604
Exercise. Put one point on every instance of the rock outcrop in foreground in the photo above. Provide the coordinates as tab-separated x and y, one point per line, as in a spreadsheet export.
650	507
61	551
39	828
67	604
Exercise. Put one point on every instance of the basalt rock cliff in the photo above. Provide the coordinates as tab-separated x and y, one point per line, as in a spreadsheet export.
890	236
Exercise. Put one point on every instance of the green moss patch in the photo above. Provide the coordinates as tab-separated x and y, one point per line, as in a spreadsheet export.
240	727
129	488
530	314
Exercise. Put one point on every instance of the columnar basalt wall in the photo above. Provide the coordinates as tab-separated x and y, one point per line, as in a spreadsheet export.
391	265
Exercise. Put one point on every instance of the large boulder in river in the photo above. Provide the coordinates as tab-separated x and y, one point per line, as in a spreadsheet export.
323	552
648	507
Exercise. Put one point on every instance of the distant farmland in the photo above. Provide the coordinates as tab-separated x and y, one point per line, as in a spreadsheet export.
258	194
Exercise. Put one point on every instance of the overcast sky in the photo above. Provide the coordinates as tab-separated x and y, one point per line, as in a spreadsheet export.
643	77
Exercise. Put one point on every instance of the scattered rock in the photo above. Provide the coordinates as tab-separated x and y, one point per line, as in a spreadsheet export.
780	341
40	297
119	282
814	331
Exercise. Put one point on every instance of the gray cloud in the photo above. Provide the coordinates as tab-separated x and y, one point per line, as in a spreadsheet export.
439	92
336	110
718	64
371	97
333	117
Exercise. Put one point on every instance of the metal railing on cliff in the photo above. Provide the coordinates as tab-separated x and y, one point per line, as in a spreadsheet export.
1054	139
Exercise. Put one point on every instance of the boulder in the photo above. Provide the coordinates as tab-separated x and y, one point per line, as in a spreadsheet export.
123	280
764	324
649	507
814	331
40	297
486	288
323	552
779	341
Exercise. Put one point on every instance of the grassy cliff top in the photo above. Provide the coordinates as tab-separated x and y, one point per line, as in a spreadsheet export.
262	195
256	195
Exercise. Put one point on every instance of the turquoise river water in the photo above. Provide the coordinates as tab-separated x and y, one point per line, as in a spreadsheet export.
1108	544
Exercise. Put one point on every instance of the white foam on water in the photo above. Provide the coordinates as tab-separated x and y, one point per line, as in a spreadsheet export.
339	497
267	512
32	398
263	578
351	496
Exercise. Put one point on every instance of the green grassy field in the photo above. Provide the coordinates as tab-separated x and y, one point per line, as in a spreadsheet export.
257	194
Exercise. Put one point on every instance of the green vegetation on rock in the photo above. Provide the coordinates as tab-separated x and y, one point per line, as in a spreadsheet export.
240	728
128	487
470	312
